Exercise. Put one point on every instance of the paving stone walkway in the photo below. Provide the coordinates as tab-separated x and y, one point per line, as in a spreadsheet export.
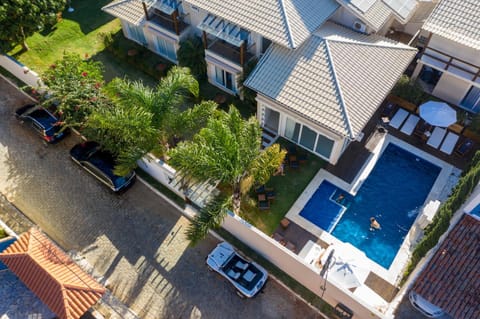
135	242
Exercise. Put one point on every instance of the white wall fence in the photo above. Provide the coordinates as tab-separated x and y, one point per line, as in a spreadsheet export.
21	72
277	254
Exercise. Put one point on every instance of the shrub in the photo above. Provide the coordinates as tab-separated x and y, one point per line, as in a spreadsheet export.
441	221
74	87
411	92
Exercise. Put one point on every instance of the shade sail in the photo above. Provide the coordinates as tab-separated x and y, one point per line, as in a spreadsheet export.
438	113
224	30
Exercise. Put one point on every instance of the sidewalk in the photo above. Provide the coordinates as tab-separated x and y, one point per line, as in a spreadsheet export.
19	223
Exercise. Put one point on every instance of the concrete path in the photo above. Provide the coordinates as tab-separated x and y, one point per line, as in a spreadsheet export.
134	241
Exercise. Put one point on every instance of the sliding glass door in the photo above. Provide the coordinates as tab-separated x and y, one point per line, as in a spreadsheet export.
308	138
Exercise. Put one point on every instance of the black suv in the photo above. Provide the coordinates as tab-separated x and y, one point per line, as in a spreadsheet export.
42	121
100	163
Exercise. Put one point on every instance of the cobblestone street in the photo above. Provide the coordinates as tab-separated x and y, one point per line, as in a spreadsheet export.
134	241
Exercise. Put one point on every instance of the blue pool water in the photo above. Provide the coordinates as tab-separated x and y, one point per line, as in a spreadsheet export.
393	193
4	244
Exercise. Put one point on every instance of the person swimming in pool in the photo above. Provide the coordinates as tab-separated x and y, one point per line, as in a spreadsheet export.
374	224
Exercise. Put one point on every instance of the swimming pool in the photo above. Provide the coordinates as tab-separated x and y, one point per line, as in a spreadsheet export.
393	193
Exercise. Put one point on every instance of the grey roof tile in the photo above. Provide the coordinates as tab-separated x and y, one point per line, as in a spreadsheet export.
336	79
128	10
456	20
375	17
285	22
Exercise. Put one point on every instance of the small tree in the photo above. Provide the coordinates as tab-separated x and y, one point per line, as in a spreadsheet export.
74	85
20	19
192	55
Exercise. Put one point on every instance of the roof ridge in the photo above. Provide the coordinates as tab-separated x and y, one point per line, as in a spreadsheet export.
337	84
287	23
378	45
87	287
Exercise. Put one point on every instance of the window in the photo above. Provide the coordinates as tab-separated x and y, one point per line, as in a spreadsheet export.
224	78
292	130
308	138
165	48
324	146
136	33
472	99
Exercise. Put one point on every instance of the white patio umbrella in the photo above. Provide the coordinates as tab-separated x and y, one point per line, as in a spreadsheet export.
438	113
346	268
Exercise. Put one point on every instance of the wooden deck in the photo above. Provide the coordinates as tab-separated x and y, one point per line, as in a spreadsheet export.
350	165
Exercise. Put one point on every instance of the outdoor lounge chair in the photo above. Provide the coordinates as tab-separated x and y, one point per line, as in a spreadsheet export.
437	137
421	128
449	143
263	204
464	147
388	110
410	124
398	118
290	246
293	161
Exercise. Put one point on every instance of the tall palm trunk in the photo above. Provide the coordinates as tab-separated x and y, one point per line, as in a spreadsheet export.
237	198
24	40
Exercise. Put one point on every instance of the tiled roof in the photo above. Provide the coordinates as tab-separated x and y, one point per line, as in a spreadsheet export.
47	271
285	22
451	280
128	10
375	17
336	79
456	20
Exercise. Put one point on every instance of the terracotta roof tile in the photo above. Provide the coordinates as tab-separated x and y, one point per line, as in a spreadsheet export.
46	270
451	280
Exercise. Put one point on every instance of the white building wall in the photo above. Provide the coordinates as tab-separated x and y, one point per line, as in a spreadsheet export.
344	17
451	89
339	141
455	49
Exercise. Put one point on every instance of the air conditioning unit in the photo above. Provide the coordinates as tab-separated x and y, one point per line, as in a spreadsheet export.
359	26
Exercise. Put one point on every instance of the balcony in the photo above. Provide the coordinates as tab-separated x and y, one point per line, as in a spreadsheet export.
229	52
167	22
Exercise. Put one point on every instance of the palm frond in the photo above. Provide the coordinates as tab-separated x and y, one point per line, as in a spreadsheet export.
209	217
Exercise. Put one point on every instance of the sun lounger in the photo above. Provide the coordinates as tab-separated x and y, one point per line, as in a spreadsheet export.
437	137
398	118
388	110
449	143
410	124
464	147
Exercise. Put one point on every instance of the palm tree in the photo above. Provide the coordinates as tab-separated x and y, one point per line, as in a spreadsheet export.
145	119
227	150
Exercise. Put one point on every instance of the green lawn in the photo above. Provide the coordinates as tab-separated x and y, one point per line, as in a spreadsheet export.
78	32
287	188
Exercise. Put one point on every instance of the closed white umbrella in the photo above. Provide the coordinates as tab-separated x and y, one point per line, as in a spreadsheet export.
346	268
438	113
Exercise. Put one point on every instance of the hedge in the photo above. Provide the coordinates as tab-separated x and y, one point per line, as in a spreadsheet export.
441	221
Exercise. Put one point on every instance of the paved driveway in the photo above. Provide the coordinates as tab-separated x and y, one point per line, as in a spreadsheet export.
135	241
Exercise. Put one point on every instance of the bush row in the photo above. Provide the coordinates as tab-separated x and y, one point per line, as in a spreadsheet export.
441	221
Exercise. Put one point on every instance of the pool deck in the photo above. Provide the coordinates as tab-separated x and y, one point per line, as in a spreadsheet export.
349	173
357	153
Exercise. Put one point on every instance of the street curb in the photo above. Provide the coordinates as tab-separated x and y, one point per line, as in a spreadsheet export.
190	216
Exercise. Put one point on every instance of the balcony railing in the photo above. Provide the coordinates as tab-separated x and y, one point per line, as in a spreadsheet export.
230	52
449	63
167	22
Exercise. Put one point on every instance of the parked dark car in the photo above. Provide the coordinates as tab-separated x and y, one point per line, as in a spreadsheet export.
100	163
42	121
